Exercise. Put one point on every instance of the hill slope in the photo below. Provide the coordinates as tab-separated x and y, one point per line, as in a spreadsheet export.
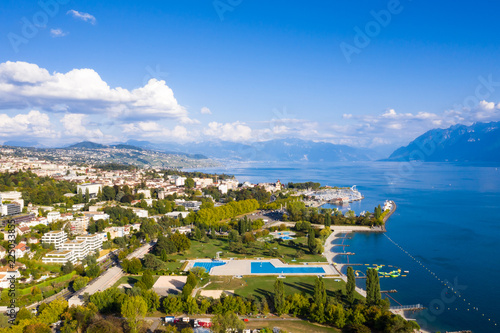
479	142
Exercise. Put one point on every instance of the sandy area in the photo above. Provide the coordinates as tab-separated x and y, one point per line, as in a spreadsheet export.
215	293
169	284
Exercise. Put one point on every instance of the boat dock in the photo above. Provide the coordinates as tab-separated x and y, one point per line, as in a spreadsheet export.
392	291
415	307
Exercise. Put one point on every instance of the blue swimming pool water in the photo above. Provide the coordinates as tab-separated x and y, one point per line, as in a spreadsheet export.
286	238
209	265
265	267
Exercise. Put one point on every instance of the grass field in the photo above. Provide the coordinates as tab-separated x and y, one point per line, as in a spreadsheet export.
102	253
293	326
262	286
287	251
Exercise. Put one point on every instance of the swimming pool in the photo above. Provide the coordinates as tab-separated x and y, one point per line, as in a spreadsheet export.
287	238
265	267
209	265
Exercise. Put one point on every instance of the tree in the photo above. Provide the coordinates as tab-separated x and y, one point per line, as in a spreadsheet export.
189	183
80	282
311	241
134	309
67	268
152	300
147	279
192	280
351	285
233	235
102	325
23	314
279	297
319	291
373	296
37	328
93	270
172	304
227	322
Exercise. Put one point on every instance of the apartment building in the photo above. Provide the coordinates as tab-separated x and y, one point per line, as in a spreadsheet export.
79	225
57	237
92	188
94	241
80	248
53	216
60	257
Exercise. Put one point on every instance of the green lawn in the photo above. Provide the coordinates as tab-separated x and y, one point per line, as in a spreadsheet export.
295	326
130	279
287	251
260	286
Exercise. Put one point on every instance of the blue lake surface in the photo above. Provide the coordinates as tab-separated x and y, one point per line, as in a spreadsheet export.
265	267
447	220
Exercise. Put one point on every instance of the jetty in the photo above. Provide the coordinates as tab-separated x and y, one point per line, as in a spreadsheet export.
392	291
414	307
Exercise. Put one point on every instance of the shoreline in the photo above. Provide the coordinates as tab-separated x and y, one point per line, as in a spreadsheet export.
337	231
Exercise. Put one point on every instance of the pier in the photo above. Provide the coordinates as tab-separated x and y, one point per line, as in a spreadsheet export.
392	291
415	307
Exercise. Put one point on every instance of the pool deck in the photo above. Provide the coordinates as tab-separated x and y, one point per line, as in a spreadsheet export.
243	267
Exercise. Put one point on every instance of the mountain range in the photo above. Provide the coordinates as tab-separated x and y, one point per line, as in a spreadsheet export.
479	142
280	150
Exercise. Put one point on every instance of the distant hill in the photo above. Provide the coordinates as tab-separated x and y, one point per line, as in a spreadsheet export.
285	150
88	145
135	145
479	142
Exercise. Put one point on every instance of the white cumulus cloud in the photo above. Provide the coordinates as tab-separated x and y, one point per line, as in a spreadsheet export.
75	126
82	16
83	91
32	124
58	33
205	110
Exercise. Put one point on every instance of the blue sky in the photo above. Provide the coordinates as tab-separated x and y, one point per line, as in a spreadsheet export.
242	70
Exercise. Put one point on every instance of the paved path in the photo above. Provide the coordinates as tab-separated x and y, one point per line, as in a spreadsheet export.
108	279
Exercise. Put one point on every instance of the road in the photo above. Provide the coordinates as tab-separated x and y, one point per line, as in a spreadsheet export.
107	279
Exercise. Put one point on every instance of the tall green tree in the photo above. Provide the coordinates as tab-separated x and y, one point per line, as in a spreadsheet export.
319	291
147	279
351	285
279	297
373	296
134	309
311	240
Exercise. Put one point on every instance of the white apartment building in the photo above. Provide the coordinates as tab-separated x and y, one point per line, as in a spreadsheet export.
147	193
80	248
94	241
10	209
59	257
93	189
178	180
13	197
203	182
53	216
140	212
57	237
79	225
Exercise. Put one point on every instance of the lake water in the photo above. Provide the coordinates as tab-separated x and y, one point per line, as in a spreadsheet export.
447	221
